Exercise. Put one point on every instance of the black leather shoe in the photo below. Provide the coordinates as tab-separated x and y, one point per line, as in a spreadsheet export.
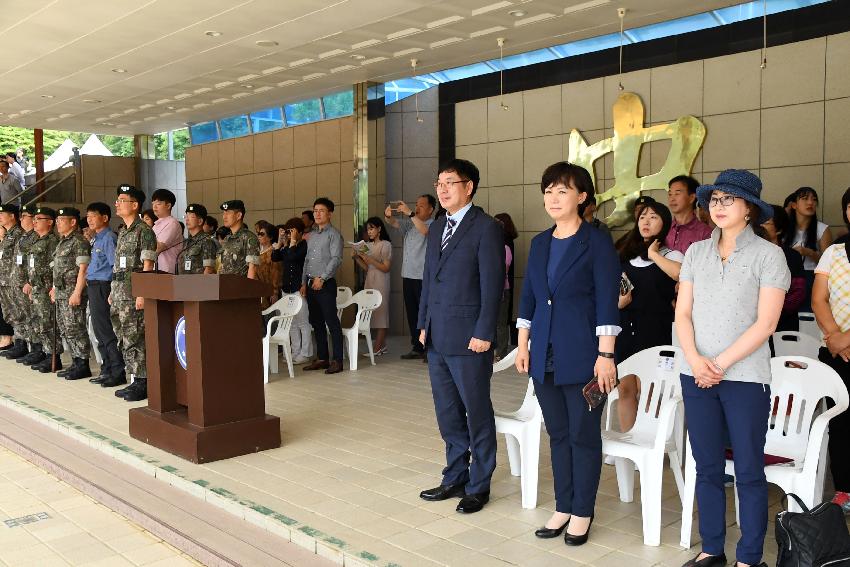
100	379
710	561
549	533
443	492
114	381
575	540
472	503
413	355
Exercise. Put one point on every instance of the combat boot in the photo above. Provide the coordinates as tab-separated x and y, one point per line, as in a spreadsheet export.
20	349
114	380
79	370
35	356
137	391
46	365
64	372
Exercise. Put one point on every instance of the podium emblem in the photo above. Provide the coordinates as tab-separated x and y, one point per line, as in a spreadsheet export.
180	341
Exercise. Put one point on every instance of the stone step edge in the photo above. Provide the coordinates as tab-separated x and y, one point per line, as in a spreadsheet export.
315	541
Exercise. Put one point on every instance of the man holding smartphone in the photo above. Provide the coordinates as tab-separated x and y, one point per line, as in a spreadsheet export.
413	225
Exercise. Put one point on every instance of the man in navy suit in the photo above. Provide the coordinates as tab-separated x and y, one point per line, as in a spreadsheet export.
461	289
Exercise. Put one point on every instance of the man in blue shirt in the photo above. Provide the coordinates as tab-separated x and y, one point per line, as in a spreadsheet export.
98	280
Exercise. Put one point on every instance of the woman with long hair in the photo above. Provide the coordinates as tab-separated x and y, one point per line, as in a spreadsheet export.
775	230
568	309
268	272
807	235
646	302
376	262
291	251
506	305
731	291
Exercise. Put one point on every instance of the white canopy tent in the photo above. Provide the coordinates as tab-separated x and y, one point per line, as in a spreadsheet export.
92	147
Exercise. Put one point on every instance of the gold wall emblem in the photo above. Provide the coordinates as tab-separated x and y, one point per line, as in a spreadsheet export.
686	135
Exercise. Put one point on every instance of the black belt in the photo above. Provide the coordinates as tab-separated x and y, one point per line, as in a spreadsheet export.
98	282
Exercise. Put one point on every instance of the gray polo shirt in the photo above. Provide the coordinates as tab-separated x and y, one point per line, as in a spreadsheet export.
324	253
415	243
726	297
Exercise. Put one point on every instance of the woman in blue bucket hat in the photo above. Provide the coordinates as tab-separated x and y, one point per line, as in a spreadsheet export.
732	287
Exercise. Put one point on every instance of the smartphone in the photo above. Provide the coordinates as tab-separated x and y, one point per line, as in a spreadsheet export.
796	364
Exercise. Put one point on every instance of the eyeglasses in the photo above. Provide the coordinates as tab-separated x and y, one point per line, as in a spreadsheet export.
724	201
42	218
448	184
117	201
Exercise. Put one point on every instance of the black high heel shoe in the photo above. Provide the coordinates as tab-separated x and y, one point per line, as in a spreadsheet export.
710	561
574	540
549	533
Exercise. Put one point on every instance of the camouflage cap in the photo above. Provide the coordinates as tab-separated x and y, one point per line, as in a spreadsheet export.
233	205
68	212
199	210
10	208
46	211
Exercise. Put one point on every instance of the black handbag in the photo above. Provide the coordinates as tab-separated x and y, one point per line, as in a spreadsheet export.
812	538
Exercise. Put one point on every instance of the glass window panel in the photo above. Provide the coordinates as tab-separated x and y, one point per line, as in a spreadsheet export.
204	132
234	126
755	9
588	45
303	112
674	27
268	119
466	71
523	59
339	104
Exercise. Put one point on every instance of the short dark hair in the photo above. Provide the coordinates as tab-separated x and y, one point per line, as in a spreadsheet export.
465	169
431	199
148	213
165	196
689	182
309	215
326	202
508	226
565	172
100	208
12	155
270	229
211	221
296	223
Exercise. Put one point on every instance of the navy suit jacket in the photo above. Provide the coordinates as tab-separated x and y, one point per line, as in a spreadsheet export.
583	296
462	285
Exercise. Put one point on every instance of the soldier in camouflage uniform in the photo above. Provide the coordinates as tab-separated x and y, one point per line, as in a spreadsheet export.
9	220
70	262
240	251
198	254
135	251
39	283
22	323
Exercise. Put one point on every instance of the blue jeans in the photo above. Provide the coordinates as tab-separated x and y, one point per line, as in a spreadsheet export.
744	408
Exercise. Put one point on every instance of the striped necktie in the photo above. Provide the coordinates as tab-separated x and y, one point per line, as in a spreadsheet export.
451	223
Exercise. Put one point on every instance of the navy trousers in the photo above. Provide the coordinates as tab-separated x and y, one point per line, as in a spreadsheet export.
460	385
322	307
744	408
575	441
412	292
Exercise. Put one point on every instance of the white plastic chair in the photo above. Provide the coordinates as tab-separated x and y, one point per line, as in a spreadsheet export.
809	325
656	432
286	308
367	301
794	343
793	432
522	436
93	339
343	299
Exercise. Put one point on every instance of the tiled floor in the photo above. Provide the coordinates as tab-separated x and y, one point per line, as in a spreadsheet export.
357	449
46	522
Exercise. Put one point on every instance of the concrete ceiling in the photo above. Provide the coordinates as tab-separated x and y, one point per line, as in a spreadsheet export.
147	66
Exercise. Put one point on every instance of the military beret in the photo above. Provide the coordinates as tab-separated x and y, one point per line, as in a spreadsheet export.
131	191
68	212
199	210
9	208
28	210
234	205
46	211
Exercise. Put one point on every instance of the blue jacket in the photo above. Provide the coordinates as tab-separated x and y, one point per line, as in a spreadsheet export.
584	296
462	285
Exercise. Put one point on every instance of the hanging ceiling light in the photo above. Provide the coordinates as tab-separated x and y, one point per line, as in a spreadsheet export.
413	63
764	34
500	41
621	13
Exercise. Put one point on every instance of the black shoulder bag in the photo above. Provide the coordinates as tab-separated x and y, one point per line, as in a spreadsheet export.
812	538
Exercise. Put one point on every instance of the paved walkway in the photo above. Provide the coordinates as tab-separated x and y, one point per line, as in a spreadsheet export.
46	522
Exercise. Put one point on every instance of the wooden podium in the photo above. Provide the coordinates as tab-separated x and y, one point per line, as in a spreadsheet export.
215	407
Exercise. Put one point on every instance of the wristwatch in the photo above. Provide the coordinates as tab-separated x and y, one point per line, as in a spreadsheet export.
606	354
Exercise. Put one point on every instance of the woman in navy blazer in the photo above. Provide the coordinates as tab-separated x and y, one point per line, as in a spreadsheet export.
568	309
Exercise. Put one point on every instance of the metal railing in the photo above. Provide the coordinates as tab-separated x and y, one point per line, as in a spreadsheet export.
73	160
